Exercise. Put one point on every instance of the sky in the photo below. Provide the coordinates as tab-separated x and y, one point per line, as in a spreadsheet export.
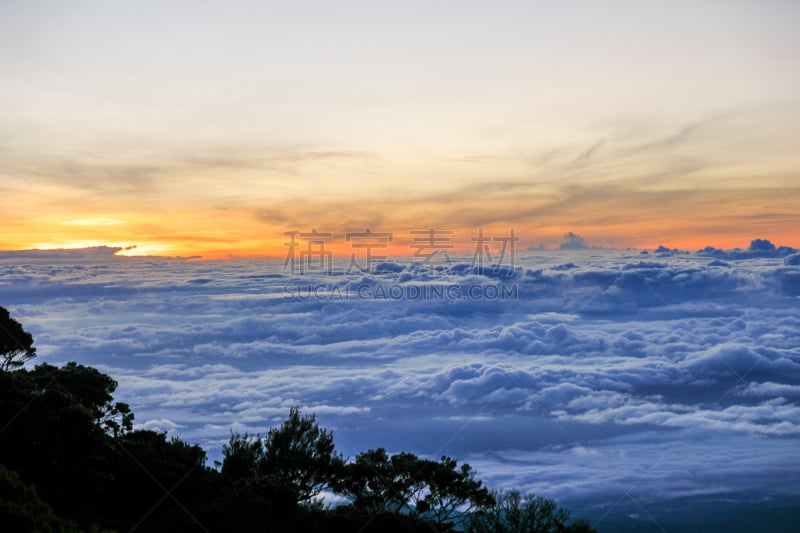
209	129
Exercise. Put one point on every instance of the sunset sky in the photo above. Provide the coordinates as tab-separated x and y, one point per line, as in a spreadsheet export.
209	128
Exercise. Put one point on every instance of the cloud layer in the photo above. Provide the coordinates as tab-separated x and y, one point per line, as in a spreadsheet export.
596	375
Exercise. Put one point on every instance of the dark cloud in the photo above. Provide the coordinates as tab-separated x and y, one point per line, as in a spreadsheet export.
587	154
272	216
759	248
68	256
572	241
792	260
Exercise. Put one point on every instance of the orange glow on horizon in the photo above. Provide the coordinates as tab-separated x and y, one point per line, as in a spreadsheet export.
618	219
271	243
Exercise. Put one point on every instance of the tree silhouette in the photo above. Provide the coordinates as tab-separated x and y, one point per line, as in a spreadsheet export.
513	512
452	491
21	509
90	388
16	344
376	482
160	482
241	458
301	456
437	491
248	496
52	437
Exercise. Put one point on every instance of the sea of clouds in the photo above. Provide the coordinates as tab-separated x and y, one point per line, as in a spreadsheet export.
612	381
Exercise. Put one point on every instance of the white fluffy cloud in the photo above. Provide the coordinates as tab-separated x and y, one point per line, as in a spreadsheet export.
596	365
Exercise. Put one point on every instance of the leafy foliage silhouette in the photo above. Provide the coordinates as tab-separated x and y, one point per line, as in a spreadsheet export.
514	512
16	344
300	456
